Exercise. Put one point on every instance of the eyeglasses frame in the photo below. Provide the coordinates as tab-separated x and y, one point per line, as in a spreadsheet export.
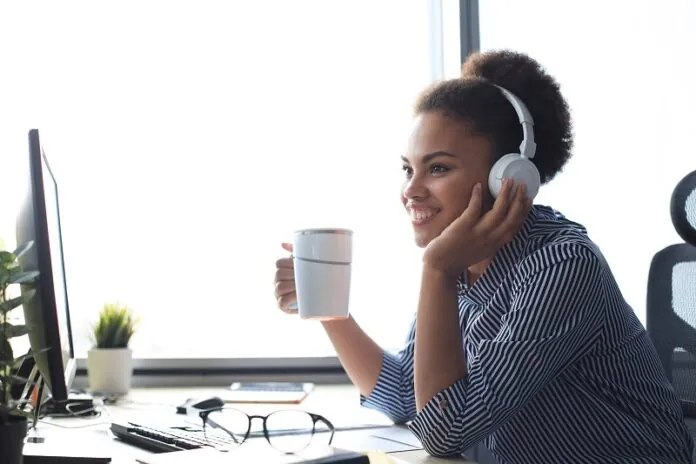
315	418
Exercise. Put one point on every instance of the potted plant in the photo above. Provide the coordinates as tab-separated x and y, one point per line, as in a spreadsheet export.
13	418
110	360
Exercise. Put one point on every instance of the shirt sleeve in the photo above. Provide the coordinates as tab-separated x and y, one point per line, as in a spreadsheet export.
554	318
394	393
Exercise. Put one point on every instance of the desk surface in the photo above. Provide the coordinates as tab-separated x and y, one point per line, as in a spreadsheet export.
339	403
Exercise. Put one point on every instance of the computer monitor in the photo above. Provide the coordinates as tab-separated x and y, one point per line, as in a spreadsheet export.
47	313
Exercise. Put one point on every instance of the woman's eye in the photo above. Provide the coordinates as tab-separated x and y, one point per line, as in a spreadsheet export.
407	170
438	169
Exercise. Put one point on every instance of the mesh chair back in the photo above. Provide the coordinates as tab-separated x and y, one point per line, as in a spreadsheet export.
671	303
671	315
683	208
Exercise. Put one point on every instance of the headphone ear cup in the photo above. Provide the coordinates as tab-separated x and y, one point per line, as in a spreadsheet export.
517	168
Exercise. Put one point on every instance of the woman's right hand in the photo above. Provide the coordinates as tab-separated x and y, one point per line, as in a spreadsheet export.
285	294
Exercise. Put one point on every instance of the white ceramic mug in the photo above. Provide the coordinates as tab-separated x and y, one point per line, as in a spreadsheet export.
322	260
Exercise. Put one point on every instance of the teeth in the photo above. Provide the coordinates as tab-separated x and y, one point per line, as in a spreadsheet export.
421	215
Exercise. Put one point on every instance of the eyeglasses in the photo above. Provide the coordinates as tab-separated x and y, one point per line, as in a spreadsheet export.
288	431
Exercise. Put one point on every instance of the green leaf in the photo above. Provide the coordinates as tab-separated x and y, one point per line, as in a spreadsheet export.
7	258
12	331
9	305
24	277
8	268
114	328
23	249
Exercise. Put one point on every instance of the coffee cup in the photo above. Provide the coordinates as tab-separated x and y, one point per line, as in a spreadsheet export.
322	259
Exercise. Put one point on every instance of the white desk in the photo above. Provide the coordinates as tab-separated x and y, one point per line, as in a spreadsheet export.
339	404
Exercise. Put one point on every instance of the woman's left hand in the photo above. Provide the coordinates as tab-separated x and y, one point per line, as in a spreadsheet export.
470	238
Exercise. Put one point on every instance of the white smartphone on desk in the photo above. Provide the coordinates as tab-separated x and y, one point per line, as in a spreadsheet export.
268	392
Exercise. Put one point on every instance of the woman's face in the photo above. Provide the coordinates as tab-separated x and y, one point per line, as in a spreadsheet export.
442	164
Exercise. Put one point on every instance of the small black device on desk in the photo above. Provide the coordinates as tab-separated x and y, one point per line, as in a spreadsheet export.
194	405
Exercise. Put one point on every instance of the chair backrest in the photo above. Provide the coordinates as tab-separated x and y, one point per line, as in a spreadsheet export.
671	314
671	301
683	208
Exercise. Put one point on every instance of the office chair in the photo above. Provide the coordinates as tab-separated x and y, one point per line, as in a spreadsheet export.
671	300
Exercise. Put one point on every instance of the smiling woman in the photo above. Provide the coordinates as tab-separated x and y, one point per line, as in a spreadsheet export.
441	170
518	310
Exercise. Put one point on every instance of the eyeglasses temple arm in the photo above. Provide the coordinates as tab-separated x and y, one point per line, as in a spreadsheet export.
332	429
204	416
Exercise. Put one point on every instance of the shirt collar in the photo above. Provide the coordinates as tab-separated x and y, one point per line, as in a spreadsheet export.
503	262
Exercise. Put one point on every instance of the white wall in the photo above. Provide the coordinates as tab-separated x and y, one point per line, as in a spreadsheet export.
627	70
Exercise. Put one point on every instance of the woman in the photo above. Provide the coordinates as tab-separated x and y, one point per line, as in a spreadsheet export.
521	337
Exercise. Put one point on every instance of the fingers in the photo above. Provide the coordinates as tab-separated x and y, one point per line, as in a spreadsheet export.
285	282
497	214
283	287
284	273
475	202
519	208
285	295
472	213
285	263
512	222
287	302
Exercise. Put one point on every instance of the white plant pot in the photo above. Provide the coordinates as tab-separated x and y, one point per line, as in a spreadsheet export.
110	370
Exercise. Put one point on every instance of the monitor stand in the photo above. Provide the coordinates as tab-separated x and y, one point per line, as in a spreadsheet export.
77	404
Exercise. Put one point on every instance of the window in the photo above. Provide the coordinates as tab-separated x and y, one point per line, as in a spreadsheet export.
625	70
189	139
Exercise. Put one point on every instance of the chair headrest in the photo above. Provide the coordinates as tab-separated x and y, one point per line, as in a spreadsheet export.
683	208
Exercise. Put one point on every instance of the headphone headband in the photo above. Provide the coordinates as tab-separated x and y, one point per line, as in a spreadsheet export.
528	146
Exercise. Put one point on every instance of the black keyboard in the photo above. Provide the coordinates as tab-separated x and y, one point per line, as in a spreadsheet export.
166	439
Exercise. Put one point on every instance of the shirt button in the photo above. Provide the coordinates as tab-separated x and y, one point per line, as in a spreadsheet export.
444	404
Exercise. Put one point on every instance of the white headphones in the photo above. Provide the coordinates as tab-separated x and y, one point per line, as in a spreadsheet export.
517	166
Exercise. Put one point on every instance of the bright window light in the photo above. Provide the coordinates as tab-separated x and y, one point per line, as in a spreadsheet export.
189	139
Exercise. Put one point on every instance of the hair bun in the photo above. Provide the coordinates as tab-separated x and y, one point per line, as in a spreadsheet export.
529	81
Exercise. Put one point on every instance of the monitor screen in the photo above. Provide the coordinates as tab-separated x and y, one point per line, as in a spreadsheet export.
47	313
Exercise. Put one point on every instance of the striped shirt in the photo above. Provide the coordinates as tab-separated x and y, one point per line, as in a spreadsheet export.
560	369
